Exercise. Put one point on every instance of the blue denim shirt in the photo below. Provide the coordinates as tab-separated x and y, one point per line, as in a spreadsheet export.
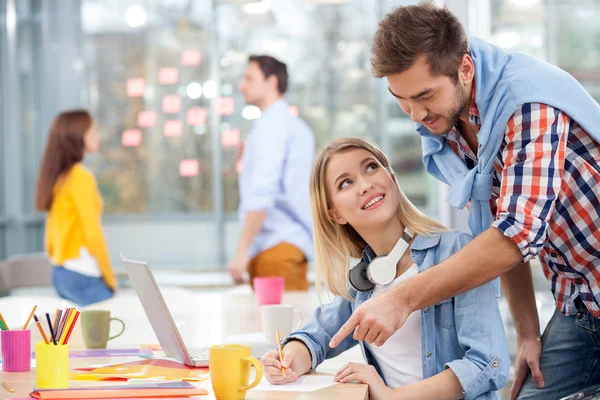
464	333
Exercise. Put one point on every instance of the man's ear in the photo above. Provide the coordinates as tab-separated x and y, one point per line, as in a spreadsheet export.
336	217
273	81
466	70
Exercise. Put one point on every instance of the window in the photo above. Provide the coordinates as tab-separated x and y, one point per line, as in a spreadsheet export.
146	68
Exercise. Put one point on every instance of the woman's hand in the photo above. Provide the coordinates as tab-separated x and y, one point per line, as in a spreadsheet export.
272	367
365	374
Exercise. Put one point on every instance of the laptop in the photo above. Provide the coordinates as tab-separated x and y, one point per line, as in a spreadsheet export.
146	288
164	327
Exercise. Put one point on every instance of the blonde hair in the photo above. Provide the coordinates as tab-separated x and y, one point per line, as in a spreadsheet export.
335	244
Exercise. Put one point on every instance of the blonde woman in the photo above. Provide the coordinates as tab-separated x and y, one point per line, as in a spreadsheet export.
456	349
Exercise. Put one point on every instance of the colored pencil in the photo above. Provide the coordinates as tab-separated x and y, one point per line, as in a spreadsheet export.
280	352
6	386
6	328
51	330
67	326
37	322
57	314
29	319
71	328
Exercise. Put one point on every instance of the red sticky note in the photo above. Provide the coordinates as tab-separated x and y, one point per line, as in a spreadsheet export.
171	103
136	87
146	119
173	128
294	110
225	106
196	116
168	76
230	138
131	138
191	57
189	167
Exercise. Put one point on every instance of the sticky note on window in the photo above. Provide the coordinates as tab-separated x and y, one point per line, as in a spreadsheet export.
225	106
196	116
173	128
146	119
190	57
189	167
131	138
171	104
135	87
168	76
230	138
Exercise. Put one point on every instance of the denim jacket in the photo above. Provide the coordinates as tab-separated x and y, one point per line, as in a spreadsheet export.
464	333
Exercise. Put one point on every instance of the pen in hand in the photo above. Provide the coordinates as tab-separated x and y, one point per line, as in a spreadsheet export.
280	352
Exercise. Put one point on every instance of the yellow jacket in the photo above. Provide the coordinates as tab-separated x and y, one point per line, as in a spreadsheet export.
75	220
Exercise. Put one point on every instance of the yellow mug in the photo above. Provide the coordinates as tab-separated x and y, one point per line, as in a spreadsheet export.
229	366
51	366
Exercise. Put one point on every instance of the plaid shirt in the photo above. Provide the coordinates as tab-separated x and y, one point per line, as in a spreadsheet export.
546	197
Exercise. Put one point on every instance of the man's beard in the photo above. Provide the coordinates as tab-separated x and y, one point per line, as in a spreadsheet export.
460	104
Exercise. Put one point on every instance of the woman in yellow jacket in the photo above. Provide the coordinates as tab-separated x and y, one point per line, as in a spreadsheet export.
68	192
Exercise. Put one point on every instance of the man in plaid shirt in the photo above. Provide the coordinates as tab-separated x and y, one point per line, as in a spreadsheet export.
517	141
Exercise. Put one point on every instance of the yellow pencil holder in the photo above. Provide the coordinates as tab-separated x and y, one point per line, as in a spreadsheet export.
52	366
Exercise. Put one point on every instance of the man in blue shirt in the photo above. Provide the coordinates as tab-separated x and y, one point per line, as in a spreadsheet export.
274	208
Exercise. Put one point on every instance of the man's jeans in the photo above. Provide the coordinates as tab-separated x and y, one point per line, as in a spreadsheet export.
570	356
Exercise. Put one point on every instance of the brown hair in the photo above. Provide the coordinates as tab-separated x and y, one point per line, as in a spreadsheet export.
336	244
272	66
64	148
407	33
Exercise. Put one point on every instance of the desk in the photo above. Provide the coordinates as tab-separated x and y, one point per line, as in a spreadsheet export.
203	319
23	382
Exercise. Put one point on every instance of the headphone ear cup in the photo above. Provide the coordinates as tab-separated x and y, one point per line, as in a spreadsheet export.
358	277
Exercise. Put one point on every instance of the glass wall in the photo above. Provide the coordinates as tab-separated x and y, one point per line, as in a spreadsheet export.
145	67
161	78
564	33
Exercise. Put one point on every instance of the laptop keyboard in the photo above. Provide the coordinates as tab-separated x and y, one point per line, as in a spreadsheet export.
198	354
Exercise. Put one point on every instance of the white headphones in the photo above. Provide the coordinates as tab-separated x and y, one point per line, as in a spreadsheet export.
381	270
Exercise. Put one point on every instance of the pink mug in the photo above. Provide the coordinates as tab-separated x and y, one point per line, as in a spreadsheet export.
16	350
269	289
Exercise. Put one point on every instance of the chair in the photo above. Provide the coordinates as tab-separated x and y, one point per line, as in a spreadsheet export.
27	270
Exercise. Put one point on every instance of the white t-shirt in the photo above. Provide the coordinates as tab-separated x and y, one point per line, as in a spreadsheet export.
400	357
86	264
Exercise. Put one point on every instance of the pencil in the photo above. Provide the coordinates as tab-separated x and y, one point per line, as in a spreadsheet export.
67	326
6	386
2	327
29	319
62	316
61	325
37	322
280	352
56	317
4	322
71	328
51	330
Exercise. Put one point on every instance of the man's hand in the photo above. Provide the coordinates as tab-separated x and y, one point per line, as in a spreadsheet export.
375	320
364	374
238	266
528	358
